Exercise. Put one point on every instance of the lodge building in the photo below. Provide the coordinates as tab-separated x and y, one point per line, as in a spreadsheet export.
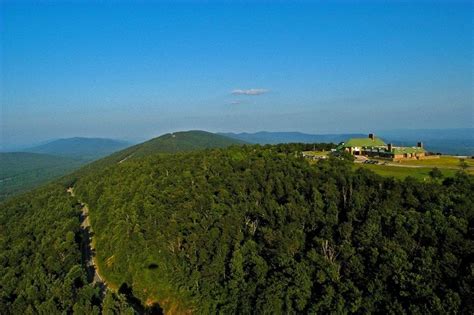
376	147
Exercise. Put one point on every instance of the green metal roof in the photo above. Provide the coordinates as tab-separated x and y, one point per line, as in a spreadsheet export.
364	142
340	146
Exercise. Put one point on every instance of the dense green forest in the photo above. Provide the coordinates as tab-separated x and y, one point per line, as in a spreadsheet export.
21	171
42	270
40	257
259	230
245	229
173	143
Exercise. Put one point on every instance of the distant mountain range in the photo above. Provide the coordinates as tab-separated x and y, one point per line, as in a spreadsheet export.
80	148
20	171
447	141
265	137
458	141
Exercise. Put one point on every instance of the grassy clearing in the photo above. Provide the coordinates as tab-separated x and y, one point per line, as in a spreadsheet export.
441	162
421	173
448	165
420	169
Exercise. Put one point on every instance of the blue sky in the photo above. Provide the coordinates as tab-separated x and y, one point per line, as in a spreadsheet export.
137	70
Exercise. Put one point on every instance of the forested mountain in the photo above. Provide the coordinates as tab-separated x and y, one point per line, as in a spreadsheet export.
258	230
245	229
180	142
20	171
80	148
40	237
265	137
168	143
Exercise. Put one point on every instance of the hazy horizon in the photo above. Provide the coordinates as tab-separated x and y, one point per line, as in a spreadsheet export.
6	147
133	71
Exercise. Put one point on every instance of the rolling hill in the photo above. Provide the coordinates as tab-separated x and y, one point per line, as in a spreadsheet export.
183	141
80	148
24	170
21	171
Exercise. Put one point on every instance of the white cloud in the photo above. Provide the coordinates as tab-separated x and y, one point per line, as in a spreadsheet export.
250	92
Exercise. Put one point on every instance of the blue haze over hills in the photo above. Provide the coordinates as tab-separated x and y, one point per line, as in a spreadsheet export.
447	141
83	148
459	141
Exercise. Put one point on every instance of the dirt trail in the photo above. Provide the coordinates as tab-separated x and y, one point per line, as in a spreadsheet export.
126	158
89	261
87	247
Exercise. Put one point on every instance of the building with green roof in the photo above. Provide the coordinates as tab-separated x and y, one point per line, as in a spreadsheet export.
376	147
